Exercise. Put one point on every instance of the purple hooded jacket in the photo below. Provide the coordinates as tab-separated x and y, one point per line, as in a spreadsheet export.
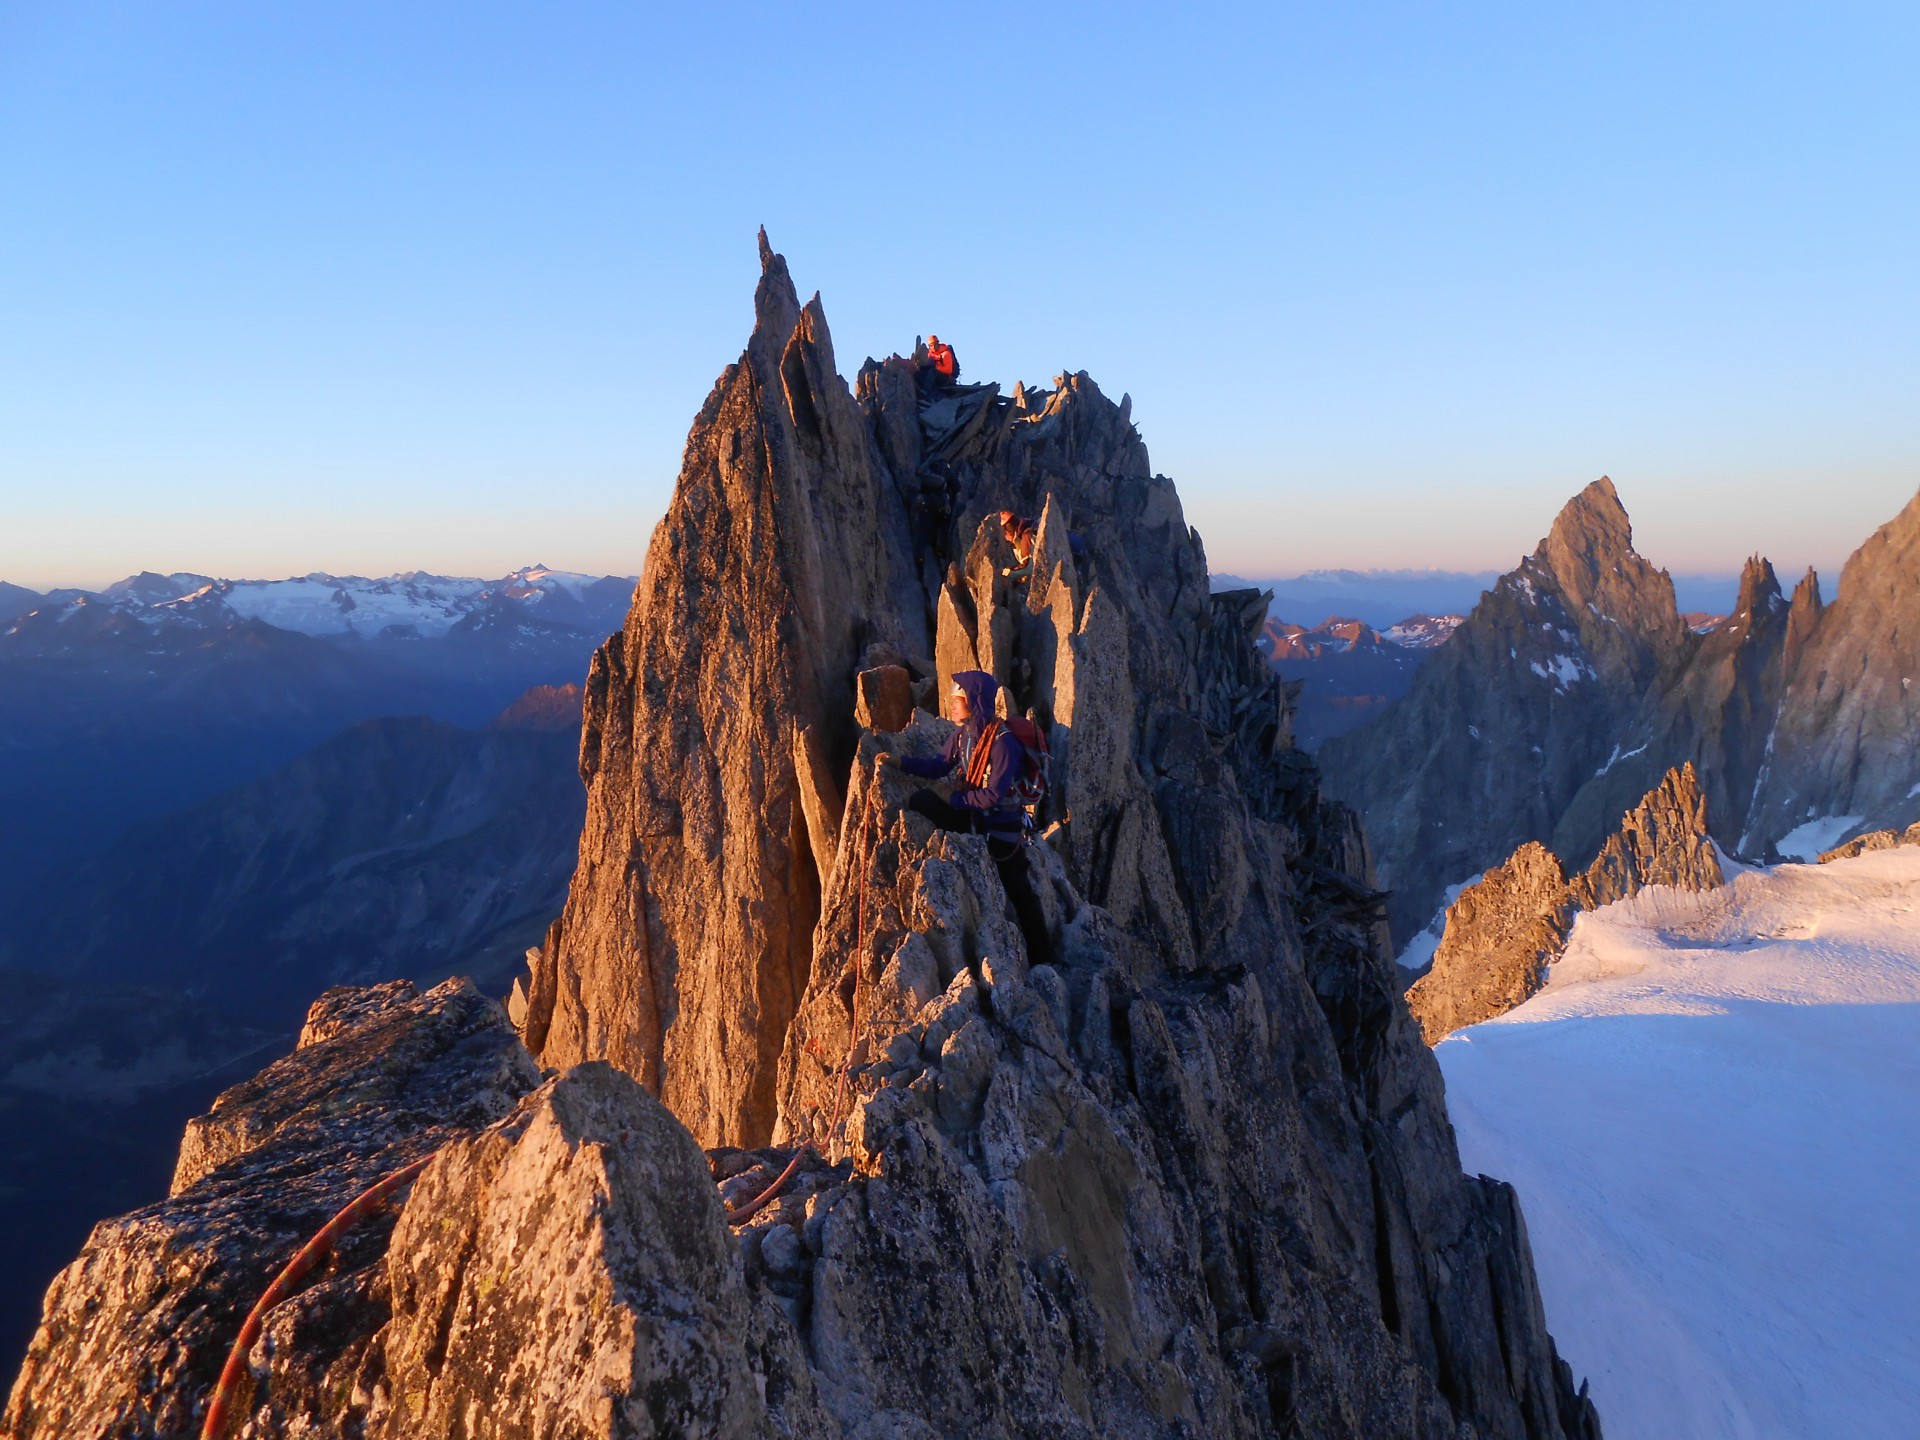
998	812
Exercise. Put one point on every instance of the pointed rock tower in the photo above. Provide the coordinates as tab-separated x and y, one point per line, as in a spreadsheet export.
1847	738
714	723
1516	713
1174	1161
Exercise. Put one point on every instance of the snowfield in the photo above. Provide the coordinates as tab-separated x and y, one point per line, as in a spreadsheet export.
1712	1114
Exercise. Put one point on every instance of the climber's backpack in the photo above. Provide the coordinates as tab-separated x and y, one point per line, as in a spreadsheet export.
1030	786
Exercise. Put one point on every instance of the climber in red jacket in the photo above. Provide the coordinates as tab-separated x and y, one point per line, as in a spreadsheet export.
945	364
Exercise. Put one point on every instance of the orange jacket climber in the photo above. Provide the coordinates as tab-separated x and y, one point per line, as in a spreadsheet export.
941	357
1019	533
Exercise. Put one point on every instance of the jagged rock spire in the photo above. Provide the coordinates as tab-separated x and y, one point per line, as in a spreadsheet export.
1759	591
1179	1109
1528	702
1847	733
1507	929
687	938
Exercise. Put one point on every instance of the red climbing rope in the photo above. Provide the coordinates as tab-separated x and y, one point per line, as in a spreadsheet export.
311	1254
753	1207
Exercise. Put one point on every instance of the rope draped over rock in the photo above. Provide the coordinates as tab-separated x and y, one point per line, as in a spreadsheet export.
297	1269
310	1255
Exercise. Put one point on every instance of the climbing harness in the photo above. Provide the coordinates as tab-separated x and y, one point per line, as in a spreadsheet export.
753	1207
297	1269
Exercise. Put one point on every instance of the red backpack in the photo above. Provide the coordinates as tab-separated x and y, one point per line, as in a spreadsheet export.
1030	786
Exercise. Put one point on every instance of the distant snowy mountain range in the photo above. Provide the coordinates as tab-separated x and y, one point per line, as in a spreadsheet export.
1338	635
1347	670
1382	597
159	691
410	605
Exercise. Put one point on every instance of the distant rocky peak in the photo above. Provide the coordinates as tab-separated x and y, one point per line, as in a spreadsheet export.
1422	632
1804	612
1886	567
1592	522
1807	593
1590	552
1759	590
1758	611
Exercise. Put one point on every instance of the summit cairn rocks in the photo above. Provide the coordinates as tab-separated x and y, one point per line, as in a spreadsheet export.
1167	1159
1505	930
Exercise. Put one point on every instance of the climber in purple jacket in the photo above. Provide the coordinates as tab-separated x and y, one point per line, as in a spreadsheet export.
981	802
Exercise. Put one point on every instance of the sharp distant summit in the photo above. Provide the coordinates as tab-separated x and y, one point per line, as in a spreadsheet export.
1575	686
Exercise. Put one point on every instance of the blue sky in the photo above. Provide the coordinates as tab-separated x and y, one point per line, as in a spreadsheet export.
373	286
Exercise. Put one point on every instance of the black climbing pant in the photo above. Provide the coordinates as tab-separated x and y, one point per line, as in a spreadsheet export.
1009	858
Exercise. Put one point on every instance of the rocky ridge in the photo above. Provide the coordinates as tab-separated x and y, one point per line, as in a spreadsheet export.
1505	931
1170	1162
1516	714
136	1329
1790	710
1131	1134
1872	841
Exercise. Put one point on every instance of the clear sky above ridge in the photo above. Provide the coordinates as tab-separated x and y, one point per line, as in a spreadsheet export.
368	287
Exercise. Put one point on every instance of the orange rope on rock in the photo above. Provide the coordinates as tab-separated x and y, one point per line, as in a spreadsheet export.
297	1269
753	1207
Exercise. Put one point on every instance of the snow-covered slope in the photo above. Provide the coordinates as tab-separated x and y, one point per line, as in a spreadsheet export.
1712	1115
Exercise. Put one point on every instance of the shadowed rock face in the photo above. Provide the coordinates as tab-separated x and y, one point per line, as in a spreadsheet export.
400	847
1846	740
1789	710
1506	930
1168	1159
1513	717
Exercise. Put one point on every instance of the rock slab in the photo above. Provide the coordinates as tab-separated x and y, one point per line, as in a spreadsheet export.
1504	932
